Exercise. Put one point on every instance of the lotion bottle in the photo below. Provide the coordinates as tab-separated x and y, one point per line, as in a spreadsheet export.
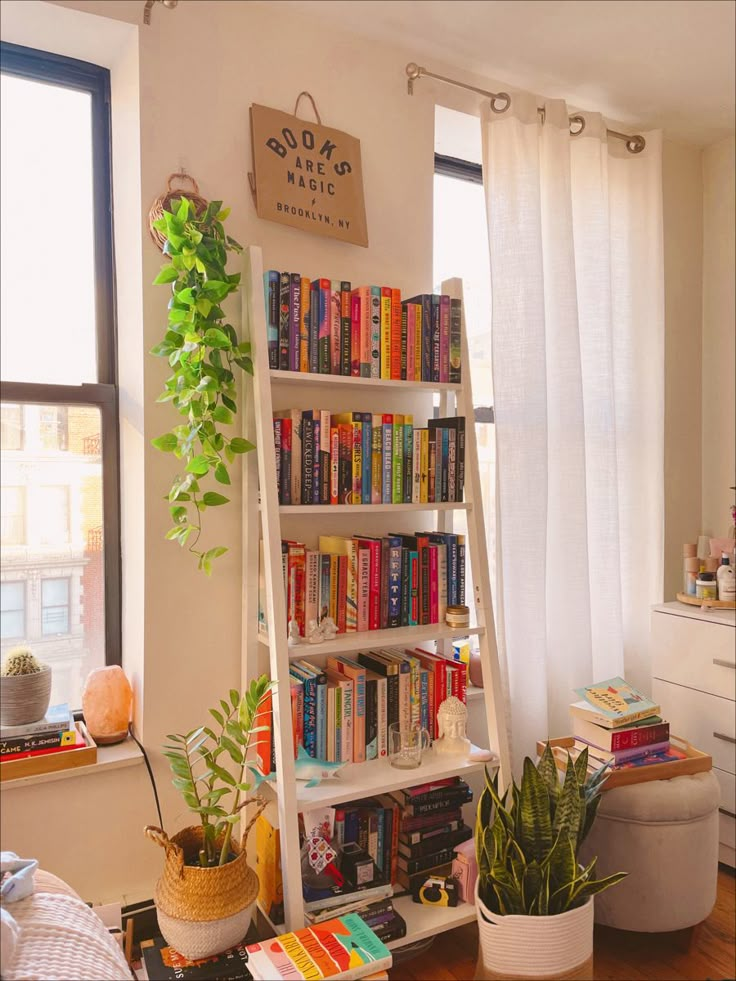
726	580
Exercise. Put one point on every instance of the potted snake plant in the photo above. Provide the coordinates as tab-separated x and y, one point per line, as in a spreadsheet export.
206	894
534	900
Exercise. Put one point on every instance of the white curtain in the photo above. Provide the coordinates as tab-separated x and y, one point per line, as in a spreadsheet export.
575	232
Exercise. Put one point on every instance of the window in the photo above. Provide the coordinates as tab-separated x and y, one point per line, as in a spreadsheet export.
12	516
59	441
54	606
12	610
11	426
461	249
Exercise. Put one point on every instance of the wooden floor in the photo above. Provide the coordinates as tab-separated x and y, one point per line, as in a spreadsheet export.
619	956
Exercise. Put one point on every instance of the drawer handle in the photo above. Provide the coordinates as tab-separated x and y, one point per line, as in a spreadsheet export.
724	664
729	814
724	737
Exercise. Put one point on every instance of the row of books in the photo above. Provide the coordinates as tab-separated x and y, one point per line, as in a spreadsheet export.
326	327
54	732
342	712
365	583
367	458
621	726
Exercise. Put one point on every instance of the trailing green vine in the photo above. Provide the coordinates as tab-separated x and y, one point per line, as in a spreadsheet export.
203	351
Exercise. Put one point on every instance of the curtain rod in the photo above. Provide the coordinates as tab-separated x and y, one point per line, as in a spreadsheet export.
501	101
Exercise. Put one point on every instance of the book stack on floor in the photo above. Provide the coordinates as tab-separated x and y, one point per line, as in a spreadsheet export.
341	712
365	583
328	327
367	458
430	827
53	743
620	726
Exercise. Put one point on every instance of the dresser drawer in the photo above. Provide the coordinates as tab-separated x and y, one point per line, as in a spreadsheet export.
695	653
696	717
727	782
727	830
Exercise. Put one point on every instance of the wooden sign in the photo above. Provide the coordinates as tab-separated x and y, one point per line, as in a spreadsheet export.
307	175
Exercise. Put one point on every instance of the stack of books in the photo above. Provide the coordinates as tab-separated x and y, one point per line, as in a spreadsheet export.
367	583
367	458
328	327
53	743
379	915
621	726
342	712
430	827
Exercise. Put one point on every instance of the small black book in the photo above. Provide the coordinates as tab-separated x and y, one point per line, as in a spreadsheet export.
163	963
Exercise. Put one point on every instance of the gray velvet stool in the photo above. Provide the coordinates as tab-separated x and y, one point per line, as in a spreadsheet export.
664	833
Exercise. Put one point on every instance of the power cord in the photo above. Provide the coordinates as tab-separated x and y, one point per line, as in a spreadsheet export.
150	773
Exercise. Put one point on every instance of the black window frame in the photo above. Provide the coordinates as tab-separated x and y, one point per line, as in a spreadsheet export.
82	76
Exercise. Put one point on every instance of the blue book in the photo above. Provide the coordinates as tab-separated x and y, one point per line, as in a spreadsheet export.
449	541
387	451
367	457
352	823
324	587
310	708
445	462
321	679
271	280
424	697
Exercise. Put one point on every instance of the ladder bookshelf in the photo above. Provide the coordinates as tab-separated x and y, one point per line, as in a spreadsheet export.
264	517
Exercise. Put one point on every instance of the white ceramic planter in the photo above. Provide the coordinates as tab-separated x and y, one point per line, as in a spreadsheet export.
196	939
535	946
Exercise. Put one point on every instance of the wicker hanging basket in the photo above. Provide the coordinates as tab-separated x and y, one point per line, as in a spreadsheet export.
163	203
203	911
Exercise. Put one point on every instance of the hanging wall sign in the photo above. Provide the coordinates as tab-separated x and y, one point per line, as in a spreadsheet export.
307	175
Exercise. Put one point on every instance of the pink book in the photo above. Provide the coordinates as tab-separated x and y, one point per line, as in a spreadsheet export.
349	669
355	333
348	712
434	597
335	309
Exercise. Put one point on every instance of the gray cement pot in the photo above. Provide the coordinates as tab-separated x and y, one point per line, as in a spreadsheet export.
24	698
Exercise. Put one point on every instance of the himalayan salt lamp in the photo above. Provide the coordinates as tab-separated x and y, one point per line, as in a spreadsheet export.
106	702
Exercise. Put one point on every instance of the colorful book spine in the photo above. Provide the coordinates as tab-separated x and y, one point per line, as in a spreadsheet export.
312	573
424	467
365	331
461	569
371	717
433	585
416	468
455	371
335	326
435	328
366	457
444	338
305	302
334	463
397	460
355	334
394	581
407	458
404	341
345	328
364	588
325	332
396	334
385	332
271	285
277	424
295	307
307	459
284	289
376	458
314	297
375	332
414	579
387	455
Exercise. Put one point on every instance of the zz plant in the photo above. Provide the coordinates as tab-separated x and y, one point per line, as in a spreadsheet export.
527	841
203	352
208	788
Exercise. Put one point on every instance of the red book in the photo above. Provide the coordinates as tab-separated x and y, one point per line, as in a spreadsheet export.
286	462
297	713
31	753
262	740
373	546
438	666
296	578
396	334
434	613
355	333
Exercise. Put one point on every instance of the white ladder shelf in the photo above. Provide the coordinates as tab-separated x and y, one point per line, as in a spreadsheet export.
263	517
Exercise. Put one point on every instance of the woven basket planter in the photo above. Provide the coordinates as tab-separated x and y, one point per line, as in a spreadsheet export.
203	911
24	698
535	947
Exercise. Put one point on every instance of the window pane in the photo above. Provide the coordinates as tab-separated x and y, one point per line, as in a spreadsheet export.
11	426
52	543
46	165
12	610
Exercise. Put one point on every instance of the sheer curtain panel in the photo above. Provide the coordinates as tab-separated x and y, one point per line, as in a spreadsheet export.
575	232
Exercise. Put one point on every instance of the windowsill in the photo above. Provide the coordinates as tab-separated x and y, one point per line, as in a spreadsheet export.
108	758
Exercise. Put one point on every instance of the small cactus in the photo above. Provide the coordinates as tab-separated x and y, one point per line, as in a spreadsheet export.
20	661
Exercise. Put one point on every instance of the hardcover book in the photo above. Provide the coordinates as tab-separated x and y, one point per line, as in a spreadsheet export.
163	963
613	703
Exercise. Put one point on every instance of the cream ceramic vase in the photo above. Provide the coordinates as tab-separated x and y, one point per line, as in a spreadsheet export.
533	947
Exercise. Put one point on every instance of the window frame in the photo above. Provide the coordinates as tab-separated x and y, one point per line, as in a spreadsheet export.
54	69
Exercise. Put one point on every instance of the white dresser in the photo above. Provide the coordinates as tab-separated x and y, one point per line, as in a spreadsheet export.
694	681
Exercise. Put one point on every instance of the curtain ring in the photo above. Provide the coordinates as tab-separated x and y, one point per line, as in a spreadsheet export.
504	98
577	121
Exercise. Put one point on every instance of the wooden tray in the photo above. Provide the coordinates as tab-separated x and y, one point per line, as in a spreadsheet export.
695	762
705	603
31	766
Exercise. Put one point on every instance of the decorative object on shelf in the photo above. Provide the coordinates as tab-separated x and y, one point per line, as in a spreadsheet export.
465	870
533	899
205	897
107	700
294	637
482	756
307	175
314	771
406	745
452	719
204	353
475	669
437	890
457	616
329	628
25	688
169	199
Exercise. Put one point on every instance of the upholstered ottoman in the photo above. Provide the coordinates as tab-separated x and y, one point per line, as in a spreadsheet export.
664	833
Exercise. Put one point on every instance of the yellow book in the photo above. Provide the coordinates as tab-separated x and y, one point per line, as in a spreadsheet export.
268	867
337	545
418	342
385	334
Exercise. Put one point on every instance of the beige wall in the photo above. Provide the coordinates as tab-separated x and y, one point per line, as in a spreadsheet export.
200	68
719	353
683	236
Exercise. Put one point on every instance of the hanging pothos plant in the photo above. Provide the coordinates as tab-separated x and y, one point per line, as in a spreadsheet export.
203	352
